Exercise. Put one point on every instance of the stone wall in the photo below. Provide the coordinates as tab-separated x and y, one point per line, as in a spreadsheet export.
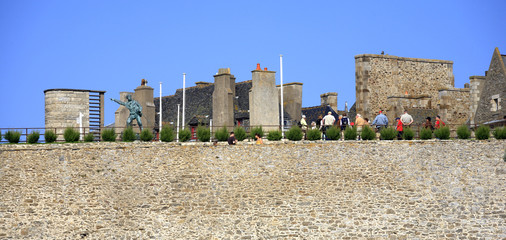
476	88
381	76
62	108
454	105
324	190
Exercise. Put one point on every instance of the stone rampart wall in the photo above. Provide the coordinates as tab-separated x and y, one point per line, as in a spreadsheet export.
325	190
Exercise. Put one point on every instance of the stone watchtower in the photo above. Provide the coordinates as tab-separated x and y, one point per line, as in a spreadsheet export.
263	100
223	99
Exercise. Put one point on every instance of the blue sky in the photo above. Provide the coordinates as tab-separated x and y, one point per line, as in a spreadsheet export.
112	45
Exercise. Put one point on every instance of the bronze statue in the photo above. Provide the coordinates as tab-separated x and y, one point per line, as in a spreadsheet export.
135	110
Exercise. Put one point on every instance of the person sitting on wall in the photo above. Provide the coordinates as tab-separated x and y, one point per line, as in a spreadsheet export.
258	139
313	125
381	121
439	122
232	140
428	124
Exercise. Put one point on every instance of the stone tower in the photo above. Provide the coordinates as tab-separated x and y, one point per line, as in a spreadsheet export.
263	100
223	99
292	100
329	99
63	107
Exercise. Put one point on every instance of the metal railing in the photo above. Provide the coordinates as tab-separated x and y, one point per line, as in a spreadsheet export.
85	130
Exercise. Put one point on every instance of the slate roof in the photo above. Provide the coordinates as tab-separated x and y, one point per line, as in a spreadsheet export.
312	113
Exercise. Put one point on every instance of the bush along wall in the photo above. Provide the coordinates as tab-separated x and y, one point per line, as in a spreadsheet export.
294	133
500	133
482	133
463	132
240	134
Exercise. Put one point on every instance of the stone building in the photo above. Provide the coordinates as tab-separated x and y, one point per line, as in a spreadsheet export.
65	107
488	92
421	86
230	103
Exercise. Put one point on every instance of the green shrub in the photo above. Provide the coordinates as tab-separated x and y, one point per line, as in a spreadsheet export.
294	133
184	135
408	133
167	134
71	135
388	133
221	134
425	134
334	133
313	134
89	137
240	134
350	133
463	132
256	130
146	135
442	133
12	136
109	135
500	133
482	133
203	134
128	135
50	136
33	137
368	133
274	135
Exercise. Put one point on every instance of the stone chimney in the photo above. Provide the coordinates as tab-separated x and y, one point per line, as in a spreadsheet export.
223	99
263	100
329	99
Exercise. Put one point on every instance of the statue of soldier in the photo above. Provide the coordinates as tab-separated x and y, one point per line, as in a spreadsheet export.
135	110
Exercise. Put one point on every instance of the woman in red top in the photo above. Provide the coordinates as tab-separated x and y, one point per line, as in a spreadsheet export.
399	128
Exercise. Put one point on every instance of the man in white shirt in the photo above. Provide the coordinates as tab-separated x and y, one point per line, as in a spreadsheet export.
406	119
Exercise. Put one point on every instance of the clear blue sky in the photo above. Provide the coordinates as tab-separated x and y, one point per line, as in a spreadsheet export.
112	45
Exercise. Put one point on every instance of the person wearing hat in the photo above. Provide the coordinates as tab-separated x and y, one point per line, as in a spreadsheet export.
303	125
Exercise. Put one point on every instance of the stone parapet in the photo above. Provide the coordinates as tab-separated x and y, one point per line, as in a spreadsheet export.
284	190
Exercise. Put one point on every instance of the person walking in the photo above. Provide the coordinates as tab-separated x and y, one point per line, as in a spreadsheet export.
439	122
399	128
406	119
359	122
303	125
328	122
381	121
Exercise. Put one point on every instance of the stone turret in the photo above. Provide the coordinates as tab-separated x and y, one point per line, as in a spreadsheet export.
263	100
223	99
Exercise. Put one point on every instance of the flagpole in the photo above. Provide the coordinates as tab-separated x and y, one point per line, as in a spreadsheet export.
282	107
184	98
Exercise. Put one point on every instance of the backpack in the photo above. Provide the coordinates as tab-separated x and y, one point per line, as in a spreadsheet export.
344	121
